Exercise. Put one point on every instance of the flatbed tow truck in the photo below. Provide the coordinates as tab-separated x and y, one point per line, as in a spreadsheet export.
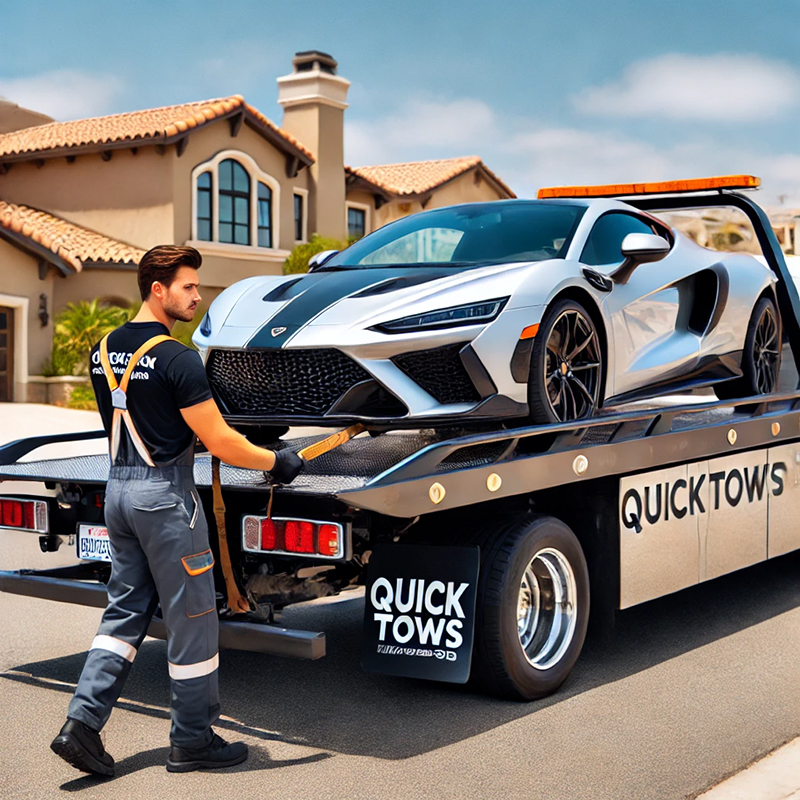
481	553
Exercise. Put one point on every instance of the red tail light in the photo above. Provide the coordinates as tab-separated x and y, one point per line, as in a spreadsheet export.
299	536
303	537
24	515
329	540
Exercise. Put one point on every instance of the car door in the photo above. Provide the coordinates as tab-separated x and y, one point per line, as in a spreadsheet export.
642	312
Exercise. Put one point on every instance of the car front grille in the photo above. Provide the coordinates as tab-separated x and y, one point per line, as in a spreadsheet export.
281	383
441	373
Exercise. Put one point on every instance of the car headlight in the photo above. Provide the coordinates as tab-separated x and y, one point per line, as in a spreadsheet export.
472	314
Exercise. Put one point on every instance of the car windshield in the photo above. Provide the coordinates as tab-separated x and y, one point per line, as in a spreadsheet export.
466	236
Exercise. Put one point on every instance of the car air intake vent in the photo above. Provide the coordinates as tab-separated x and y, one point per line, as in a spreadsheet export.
440	373
281	383
283	292
395	284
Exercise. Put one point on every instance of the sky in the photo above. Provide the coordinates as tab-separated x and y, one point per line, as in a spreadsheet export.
546	92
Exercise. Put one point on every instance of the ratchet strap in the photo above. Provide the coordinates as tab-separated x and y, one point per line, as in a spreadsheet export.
237	603
330	442
119	399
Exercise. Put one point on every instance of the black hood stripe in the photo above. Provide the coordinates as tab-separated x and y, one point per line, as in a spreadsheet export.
321	290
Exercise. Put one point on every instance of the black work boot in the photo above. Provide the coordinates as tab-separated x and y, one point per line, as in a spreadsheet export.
218	754
80	746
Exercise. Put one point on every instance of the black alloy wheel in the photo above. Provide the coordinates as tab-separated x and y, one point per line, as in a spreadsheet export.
566	366
761	357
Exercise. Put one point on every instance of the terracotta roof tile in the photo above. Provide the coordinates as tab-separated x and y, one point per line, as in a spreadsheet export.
417	177
150	126
72	243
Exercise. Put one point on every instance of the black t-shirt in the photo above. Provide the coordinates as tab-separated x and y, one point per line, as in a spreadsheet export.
168	378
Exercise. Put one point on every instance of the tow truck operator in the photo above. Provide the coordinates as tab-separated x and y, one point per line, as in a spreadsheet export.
154	398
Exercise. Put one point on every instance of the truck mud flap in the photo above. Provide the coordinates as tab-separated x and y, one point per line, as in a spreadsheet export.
253	636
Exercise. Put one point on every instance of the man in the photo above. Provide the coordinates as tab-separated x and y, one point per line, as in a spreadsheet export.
154	397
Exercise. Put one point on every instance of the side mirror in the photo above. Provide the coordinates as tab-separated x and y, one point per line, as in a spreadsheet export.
318	259
639	248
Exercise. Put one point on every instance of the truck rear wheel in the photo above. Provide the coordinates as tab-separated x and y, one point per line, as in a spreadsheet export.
532	609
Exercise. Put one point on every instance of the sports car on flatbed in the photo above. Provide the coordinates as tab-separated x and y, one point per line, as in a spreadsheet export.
535	310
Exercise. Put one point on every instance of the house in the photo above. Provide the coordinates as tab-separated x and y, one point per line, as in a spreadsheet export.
81	201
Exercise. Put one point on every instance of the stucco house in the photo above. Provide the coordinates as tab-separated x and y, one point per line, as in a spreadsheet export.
81	201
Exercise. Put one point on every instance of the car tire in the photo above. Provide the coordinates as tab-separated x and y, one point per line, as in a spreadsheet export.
565	381
761	356
532	608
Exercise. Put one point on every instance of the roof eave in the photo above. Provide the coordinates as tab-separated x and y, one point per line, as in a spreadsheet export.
28	245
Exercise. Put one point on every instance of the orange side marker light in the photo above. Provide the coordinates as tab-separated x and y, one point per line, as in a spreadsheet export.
529	332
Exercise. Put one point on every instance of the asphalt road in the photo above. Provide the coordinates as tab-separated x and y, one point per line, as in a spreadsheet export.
692	688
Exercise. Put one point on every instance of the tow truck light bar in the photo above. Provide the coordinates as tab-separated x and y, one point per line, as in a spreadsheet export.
286	536
23	515
662	187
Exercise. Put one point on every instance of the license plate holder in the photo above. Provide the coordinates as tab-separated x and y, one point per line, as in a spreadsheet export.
92	543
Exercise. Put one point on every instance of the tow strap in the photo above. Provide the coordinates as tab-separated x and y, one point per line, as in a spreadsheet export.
237	602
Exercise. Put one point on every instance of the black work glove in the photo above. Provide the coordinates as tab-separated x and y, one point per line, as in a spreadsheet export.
287	466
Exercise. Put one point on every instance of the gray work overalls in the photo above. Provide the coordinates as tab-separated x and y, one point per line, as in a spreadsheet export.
160	554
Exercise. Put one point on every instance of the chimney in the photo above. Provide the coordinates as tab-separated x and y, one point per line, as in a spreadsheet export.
314	98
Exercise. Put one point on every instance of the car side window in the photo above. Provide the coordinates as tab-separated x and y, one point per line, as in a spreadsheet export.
604	244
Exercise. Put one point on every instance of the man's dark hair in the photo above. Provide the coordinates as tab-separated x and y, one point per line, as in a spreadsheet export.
162	262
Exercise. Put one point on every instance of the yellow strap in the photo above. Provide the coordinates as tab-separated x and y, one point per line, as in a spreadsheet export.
330	442
123	415
138	355
109	373
236	601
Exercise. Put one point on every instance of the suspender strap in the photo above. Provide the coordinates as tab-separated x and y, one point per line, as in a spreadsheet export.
119	397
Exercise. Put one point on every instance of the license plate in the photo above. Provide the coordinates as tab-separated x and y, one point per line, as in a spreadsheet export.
93	543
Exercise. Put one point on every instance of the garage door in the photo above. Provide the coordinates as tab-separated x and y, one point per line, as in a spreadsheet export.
6	354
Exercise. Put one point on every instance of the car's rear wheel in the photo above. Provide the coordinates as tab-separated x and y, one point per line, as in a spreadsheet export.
761	357
566	372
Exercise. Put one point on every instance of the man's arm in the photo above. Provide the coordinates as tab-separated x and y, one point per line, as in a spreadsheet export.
223	441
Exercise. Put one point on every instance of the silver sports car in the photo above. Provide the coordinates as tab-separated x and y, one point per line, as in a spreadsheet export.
545	310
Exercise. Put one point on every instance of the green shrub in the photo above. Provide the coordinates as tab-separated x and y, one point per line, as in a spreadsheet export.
297	262
77	329
82	398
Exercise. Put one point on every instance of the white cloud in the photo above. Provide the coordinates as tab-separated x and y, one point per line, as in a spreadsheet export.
568	156
422	129
64	94
717	87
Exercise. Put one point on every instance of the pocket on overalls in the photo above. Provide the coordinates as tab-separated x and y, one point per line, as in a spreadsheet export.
201	597
155	496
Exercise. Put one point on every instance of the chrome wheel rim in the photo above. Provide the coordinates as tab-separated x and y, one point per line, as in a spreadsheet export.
766	351
572	367
546	608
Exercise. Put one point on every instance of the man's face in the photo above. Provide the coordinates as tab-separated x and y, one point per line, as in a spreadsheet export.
179	300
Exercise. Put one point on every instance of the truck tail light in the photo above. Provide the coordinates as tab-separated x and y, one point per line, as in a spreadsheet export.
23	515
329	540
286	536
299	536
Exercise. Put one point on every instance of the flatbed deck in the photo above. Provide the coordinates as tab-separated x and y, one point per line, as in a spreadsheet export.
392	473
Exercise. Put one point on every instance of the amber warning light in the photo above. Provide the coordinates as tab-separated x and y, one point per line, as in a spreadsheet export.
662	187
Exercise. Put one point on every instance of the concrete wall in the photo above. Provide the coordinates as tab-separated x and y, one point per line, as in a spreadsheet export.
127	198
117	286
20	287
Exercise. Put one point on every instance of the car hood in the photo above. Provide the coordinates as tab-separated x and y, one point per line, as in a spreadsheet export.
272	312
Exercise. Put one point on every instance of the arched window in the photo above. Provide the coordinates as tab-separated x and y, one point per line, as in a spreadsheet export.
234	203
205	220
264	215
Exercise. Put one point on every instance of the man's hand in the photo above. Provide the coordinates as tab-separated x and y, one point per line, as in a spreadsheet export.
287	466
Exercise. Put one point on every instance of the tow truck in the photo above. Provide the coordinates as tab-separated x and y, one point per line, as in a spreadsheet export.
484	555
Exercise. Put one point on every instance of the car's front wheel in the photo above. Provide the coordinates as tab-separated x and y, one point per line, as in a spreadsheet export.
566	372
